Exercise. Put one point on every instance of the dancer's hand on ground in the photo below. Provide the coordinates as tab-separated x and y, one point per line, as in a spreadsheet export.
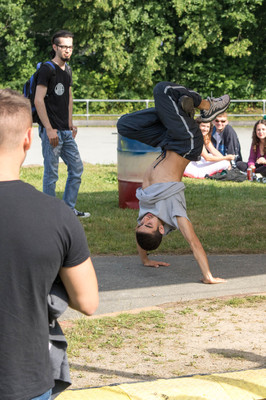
155	263
211	279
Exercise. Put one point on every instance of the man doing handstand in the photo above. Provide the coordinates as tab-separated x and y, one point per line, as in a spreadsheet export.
162	206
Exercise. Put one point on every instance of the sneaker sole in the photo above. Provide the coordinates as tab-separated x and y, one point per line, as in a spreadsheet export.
211	118
84	216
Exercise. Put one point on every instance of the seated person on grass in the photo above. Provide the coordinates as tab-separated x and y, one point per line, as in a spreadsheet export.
257	154
211	160
171	126
224	137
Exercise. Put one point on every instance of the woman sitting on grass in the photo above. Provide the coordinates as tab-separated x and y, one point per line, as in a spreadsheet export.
211	160
257	156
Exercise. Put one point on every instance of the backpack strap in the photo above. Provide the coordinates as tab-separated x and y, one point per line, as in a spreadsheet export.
50	63
51	85
68	69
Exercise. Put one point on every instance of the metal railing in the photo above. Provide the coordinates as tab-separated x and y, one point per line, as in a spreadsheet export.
147	103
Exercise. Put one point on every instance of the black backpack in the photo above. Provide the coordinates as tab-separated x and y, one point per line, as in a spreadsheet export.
29	89
233	174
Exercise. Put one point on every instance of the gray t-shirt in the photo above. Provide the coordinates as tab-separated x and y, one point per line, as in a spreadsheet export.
165	200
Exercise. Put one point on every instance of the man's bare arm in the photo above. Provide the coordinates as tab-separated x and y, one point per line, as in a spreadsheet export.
72	127
147	262
189	234
81	285
215	155
40	94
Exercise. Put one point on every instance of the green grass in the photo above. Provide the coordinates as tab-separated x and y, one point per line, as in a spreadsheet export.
228	217
245	301
111	332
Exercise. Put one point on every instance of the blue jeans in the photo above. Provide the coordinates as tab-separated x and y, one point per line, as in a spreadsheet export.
45	396
67	149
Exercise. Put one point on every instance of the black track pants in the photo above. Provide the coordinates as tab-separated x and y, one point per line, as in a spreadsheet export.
166	125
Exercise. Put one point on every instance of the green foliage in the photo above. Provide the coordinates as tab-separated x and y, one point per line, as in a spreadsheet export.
200	22
123	48
16	48
122	40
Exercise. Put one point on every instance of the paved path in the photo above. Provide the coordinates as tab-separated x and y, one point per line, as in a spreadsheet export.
98	145
125	284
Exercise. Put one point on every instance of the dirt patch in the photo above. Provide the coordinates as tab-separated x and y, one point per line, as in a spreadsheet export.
196	337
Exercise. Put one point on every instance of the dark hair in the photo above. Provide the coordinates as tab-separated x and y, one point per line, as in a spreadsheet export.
57	35
206	138
149	241
255	139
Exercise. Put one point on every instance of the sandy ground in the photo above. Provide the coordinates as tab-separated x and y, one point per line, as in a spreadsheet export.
196	337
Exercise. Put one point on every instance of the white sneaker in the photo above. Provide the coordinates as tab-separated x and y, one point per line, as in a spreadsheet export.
81	214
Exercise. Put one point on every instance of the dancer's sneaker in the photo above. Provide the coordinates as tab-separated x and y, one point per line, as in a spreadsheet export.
187	104
217	106
81	214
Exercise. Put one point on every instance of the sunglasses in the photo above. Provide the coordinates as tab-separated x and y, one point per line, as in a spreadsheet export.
221	120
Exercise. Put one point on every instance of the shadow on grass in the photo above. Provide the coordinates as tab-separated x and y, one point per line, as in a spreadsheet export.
112	372
240	354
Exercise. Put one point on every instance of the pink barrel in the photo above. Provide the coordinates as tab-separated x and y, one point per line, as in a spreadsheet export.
133	158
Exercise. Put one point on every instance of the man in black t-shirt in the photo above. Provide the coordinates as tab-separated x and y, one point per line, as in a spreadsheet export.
54	107
40	237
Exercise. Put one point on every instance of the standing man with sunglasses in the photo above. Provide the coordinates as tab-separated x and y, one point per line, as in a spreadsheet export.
56	129
224	137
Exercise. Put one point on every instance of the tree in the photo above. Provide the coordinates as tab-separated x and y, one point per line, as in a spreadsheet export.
16	48
216	45
126	47
120	44
123	48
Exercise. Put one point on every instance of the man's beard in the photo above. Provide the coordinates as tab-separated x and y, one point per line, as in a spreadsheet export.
65	58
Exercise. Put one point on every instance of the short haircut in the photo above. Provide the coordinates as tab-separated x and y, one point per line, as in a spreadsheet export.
224	114
15	117
55	39
60	34
149	241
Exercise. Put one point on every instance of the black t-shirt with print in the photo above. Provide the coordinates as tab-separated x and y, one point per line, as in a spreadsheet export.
38	235
57	101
